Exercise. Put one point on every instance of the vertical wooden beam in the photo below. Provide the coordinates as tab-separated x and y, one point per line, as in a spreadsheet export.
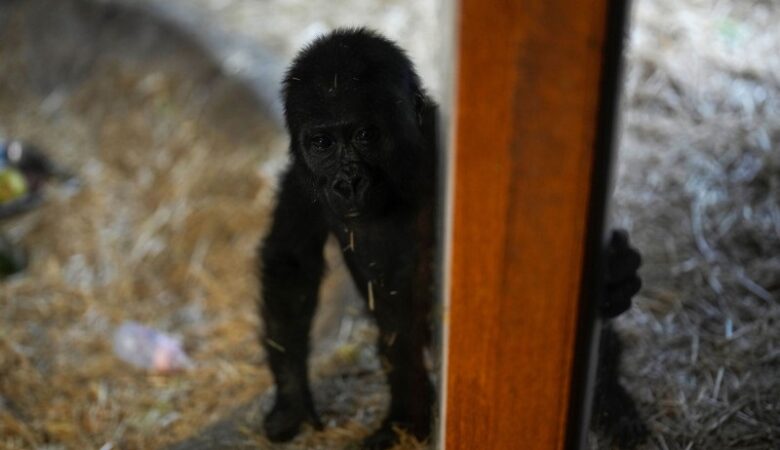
529	120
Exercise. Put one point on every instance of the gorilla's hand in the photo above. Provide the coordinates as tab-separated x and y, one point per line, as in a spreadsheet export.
622	280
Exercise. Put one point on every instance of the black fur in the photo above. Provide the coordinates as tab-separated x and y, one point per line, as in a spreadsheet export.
615	415
362	142
370	182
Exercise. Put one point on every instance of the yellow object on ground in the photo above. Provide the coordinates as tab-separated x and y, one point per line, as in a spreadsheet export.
12	185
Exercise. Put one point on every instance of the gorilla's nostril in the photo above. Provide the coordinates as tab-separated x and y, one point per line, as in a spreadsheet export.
356	183
344	188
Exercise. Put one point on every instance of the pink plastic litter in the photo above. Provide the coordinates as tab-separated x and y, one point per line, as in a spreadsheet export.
149	349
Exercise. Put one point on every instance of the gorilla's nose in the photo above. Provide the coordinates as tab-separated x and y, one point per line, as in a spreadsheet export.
349	186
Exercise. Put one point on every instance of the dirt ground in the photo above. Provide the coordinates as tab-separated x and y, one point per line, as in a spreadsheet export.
177	162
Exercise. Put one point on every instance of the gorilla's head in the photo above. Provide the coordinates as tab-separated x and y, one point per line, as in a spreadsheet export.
353	106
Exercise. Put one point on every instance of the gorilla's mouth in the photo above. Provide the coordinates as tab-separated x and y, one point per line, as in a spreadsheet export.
345	207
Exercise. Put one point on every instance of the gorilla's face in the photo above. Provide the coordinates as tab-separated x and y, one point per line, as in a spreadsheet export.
351	163
352	107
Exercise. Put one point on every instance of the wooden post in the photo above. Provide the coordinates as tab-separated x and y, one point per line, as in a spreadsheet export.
534	100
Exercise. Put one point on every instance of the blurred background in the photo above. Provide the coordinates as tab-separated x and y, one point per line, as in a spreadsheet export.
699	188
166	114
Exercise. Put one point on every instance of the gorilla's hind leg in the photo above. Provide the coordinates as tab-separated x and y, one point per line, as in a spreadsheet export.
403	336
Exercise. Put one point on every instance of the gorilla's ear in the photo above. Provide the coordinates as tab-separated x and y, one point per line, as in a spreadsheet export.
420	105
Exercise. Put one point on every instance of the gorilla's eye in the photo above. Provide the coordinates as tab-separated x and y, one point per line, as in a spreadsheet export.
321	142
366	135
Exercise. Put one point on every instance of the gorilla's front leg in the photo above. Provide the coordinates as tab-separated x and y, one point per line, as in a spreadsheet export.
403	335
292	265
286	344
614	411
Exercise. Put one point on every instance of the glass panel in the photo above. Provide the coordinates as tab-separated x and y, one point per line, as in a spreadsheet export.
147	156
697	190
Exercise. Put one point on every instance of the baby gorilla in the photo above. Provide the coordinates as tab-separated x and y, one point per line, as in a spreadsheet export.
362	142
363	149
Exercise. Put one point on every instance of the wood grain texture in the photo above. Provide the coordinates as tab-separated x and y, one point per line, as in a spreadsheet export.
526	116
